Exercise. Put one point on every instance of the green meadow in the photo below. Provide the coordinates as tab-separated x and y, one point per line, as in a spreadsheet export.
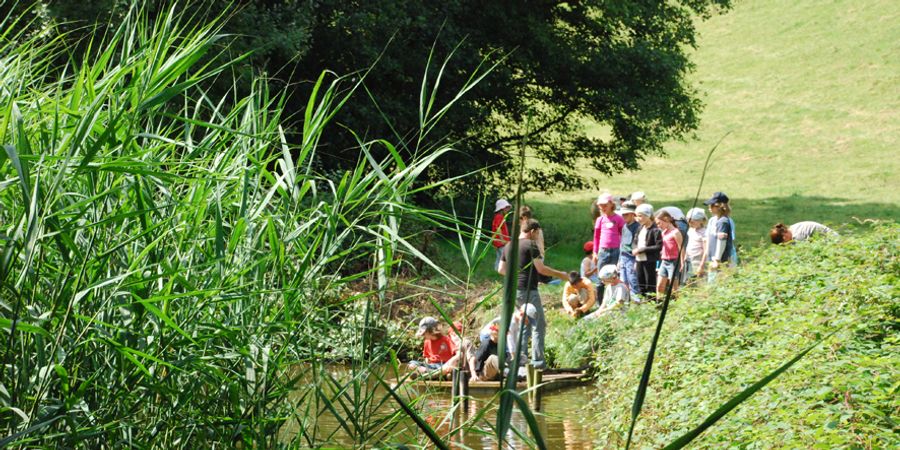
805	98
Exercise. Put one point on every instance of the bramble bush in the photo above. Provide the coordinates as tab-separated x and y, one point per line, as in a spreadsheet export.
720	339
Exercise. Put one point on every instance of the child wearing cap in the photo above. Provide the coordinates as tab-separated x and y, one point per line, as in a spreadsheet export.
438	349
719	235
626	258
578	295
646	245
607	234
616	295
693	260
638	198
499	228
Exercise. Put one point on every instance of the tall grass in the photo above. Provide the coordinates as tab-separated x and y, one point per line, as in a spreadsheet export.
169	259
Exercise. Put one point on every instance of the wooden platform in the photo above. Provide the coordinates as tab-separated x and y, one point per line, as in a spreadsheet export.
551	381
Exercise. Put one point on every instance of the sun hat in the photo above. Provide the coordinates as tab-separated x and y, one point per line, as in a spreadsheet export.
608	272
627	207
589	246
427	323
639	195
717	197
645	209
502	203
605	198
696	214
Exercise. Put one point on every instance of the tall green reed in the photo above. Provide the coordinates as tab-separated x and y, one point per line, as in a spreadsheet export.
174	268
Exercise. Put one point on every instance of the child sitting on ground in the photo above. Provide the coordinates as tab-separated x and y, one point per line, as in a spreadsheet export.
485	364
439	350
616	294
578	295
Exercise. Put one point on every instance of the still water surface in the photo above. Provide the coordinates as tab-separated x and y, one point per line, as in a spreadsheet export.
379	419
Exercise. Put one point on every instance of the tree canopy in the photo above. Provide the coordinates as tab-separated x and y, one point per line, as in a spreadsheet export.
599	83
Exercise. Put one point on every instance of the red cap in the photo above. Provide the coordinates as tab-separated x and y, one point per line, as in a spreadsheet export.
589	246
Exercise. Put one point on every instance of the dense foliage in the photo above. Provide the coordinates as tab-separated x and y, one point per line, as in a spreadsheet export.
621	66
169	265
718	340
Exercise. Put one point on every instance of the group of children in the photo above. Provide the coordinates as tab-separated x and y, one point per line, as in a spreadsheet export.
638	251
635	254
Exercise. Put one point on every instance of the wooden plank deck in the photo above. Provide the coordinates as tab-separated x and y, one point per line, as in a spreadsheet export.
551	382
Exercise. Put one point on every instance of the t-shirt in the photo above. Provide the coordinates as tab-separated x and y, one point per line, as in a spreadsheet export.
616	295
642	242
501	231
712	240
528	274
723	225
483	353
628	236
438	350
588	264
802	231
608	232
696	241
583	289
670	245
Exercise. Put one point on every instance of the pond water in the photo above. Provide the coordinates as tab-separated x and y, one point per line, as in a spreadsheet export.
355	411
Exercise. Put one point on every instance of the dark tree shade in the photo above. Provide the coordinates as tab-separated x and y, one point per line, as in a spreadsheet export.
620	64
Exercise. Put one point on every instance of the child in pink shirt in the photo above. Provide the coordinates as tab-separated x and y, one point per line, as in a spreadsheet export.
670	255
607	235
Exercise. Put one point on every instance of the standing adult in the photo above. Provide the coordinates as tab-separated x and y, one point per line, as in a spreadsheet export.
499	229
799	231
607	235
626	258
531	264
719	235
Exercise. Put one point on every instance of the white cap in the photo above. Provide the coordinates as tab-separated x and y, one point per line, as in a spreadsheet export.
639	195
696	214
502	203
645	209
608	272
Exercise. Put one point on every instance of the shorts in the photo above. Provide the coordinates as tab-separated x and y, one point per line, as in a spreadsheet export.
667	268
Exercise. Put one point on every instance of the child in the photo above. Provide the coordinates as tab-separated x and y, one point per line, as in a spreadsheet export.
616	295
647	245
499	229
626	259
607	235
638	198
719	237
799	231
693	259
485	364
671	249
578	295
588	267
438	349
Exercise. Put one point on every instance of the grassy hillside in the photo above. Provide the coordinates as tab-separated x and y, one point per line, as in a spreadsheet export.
717	341
810	92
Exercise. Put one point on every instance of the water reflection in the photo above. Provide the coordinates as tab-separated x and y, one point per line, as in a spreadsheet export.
347	408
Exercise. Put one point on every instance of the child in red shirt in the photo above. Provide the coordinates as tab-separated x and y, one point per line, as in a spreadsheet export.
499	229
439	350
